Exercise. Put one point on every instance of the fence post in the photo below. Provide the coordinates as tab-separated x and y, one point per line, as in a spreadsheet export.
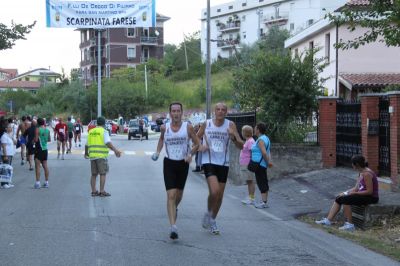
370	143
394	110
327	130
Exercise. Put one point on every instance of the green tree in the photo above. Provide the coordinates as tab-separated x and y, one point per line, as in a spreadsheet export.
9	35
381	19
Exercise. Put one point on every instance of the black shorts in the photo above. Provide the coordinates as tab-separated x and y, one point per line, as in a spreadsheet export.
70	135
220	171
30	148
41	155
357	200
77	132
175	173
141	129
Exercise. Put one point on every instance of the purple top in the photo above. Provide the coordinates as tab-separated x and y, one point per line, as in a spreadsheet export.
245	153
375	185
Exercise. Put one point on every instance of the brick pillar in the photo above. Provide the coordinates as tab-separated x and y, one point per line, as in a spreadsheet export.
327	130
394	109
370	144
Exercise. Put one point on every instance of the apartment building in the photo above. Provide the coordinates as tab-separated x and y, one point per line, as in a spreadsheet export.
120	47
243	22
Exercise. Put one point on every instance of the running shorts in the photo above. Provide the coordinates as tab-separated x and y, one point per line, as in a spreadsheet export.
220	171
175	173
77	132
22	140
70	135
61	137
30	148
41	155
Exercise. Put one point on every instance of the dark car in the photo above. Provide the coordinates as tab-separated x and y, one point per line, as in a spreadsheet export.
133	129
154	126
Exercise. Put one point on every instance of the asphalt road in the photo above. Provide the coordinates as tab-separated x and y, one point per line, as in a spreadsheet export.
64	225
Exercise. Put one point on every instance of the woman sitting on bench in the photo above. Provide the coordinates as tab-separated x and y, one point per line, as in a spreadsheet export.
363	193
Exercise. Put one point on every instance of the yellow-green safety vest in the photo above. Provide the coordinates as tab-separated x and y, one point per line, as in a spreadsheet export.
97	147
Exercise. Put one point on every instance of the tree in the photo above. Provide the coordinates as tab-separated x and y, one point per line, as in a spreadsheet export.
8	36
381	19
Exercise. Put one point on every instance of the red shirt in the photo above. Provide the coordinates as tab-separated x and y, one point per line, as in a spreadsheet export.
61	128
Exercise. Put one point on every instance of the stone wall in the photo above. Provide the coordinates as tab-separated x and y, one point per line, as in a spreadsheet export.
288	159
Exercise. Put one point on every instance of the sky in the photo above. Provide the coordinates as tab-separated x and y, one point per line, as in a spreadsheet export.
58	48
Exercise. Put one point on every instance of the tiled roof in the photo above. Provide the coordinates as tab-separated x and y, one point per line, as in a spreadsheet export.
20	84
358	3
371	79
12	72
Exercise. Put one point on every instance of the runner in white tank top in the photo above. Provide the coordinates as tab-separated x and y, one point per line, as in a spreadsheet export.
216	134
176	136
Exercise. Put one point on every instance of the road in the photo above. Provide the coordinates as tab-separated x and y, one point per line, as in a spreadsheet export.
64	225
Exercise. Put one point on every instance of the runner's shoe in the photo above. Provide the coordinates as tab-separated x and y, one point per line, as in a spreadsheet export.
58	156
347	227
22	162
324	221
248	201
174	233
214	228
206	221
36	186
261	205
45	185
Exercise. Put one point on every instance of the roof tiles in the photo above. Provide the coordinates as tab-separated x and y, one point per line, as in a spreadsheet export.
372	79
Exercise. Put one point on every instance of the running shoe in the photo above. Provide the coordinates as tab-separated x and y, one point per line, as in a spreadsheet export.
248	201
214	228
261	205
347	227
62	157
36	186
5	186
324	221
206	221
45	185
174	233
10	185
22	162
79	145
58	156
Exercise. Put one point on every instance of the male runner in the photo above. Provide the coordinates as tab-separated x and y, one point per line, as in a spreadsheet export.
78	130
216	134
176	136
70	127
30	144
21	138
42	136
60	132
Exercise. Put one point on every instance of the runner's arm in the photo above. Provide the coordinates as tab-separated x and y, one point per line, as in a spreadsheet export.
234	135
160	143
195	140
36	138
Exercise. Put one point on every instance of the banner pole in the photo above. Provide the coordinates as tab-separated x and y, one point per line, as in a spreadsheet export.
98	73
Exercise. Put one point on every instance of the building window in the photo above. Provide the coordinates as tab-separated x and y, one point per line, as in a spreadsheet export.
244	4
296	52
291	6
230	7
310	22
130	32
260	1
327	47
219	10
205	13
291	26
244	18
244	35
131	52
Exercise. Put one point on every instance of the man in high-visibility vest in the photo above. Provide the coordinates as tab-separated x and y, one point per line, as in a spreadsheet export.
96	150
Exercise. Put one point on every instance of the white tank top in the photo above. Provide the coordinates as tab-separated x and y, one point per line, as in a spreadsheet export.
217	140
176	143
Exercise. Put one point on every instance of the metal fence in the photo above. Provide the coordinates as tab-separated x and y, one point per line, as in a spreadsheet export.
384	137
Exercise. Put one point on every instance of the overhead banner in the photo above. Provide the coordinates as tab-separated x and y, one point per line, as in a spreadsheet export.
104	14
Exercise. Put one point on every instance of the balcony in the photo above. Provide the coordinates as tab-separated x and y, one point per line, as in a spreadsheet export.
228	44
276	19
148	40
231	26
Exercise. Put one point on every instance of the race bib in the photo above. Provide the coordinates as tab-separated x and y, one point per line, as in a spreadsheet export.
61	130
175	152
77	128
217	145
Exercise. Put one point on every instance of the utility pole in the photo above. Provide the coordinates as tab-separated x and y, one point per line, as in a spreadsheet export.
186	57
98	73
145	79
208	64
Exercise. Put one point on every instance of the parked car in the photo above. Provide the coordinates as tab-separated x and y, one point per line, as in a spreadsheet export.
133	130
112	126
154	126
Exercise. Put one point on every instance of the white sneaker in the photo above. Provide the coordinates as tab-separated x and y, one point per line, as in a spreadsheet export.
6	186
214	228
248	201
324	221
261	205
347	227
206	221
10	185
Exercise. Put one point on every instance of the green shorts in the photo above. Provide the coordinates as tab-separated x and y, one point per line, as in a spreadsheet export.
99	166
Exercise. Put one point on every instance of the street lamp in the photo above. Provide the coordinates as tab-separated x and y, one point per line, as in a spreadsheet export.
208	64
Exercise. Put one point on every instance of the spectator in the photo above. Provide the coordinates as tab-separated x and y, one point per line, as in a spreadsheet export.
260	152
8	143
244	159
363	193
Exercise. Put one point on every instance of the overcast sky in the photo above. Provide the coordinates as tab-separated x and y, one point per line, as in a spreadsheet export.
58	47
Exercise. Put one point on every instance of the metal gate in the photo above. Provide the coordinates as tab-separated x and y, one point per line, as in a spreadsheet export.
242	119
348	131
384	137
